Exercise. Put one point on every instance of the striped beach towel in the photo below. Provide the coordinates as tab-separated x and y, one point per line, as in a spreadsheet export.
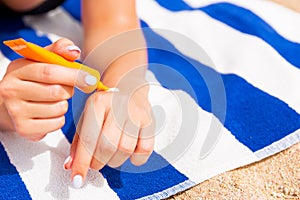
224	79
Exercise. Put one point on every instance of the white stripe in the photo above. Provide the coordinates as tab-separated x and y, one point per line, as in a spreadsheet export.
228	153
4	62
285	21
279	145
170	191
230	50
40	167
56	24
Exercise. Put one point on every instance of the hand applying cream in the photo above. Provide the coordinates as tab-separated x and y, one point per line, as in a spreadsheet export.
36	53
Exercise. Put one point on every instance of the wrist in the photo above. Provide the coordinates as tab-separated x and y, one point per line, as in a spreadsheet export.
128	81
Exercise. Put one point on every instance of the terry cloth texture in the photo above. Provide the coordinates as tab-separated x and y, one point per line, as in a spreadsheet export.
224	89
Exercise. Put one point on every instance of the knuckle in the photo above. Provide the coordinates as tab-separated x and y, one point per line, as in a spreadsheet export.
95	167
96	101
62	41
149	123
7	90
57	92
58	46
36	138
2	89
62	121
62	107
126	149
109	147
21	130
15	64
97	97
96	164
86	140
138	162
71	92
146	149
115	164
47	72
15	111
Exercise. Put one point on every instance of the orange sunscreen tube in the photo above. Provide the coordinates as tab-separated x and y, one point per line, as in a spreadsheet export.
36	53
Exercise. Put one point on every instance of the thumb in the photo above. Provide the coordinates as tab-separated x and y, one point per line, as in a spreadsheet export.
65	48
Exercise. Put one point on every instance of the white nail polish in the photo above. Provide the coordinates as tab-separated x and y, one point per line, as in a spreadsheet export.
77	181
74	48
66	161
90	80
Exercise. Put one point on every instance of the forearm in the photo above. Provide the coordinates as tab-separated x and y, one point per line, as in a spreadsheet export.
22	5
105	20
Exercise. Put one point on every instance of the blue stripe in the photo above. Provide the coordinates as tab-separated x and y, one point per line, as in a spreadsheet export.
73	7
155	176
21	31
12	186
247	22
254	117
11	32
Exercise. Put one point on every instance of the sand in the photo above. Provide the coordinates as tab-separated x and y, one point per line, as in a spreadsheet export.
276	177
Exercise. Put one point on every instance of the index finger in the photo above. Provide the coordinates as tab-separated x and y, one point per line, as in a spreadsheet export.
52	74
87	142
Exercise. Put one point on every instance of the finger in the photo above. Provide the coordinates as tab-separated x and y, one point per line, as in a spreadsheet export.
31	91
43	110
87	141
108	142
127	144
36	129
69	160
145	145
143	151
56	74
65	48
52	74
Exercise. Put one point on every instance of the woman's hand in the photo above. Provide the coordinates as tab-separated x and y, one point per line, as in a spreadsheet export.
34	95
115	126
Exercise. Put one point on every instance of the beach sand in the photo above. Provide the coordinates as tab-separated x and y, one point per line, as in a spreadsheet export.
276	177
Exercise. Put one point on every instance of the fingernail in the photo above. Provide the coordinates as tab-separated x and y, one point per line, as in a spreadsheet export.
66	162
77	181
90	80
73	48
113	90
